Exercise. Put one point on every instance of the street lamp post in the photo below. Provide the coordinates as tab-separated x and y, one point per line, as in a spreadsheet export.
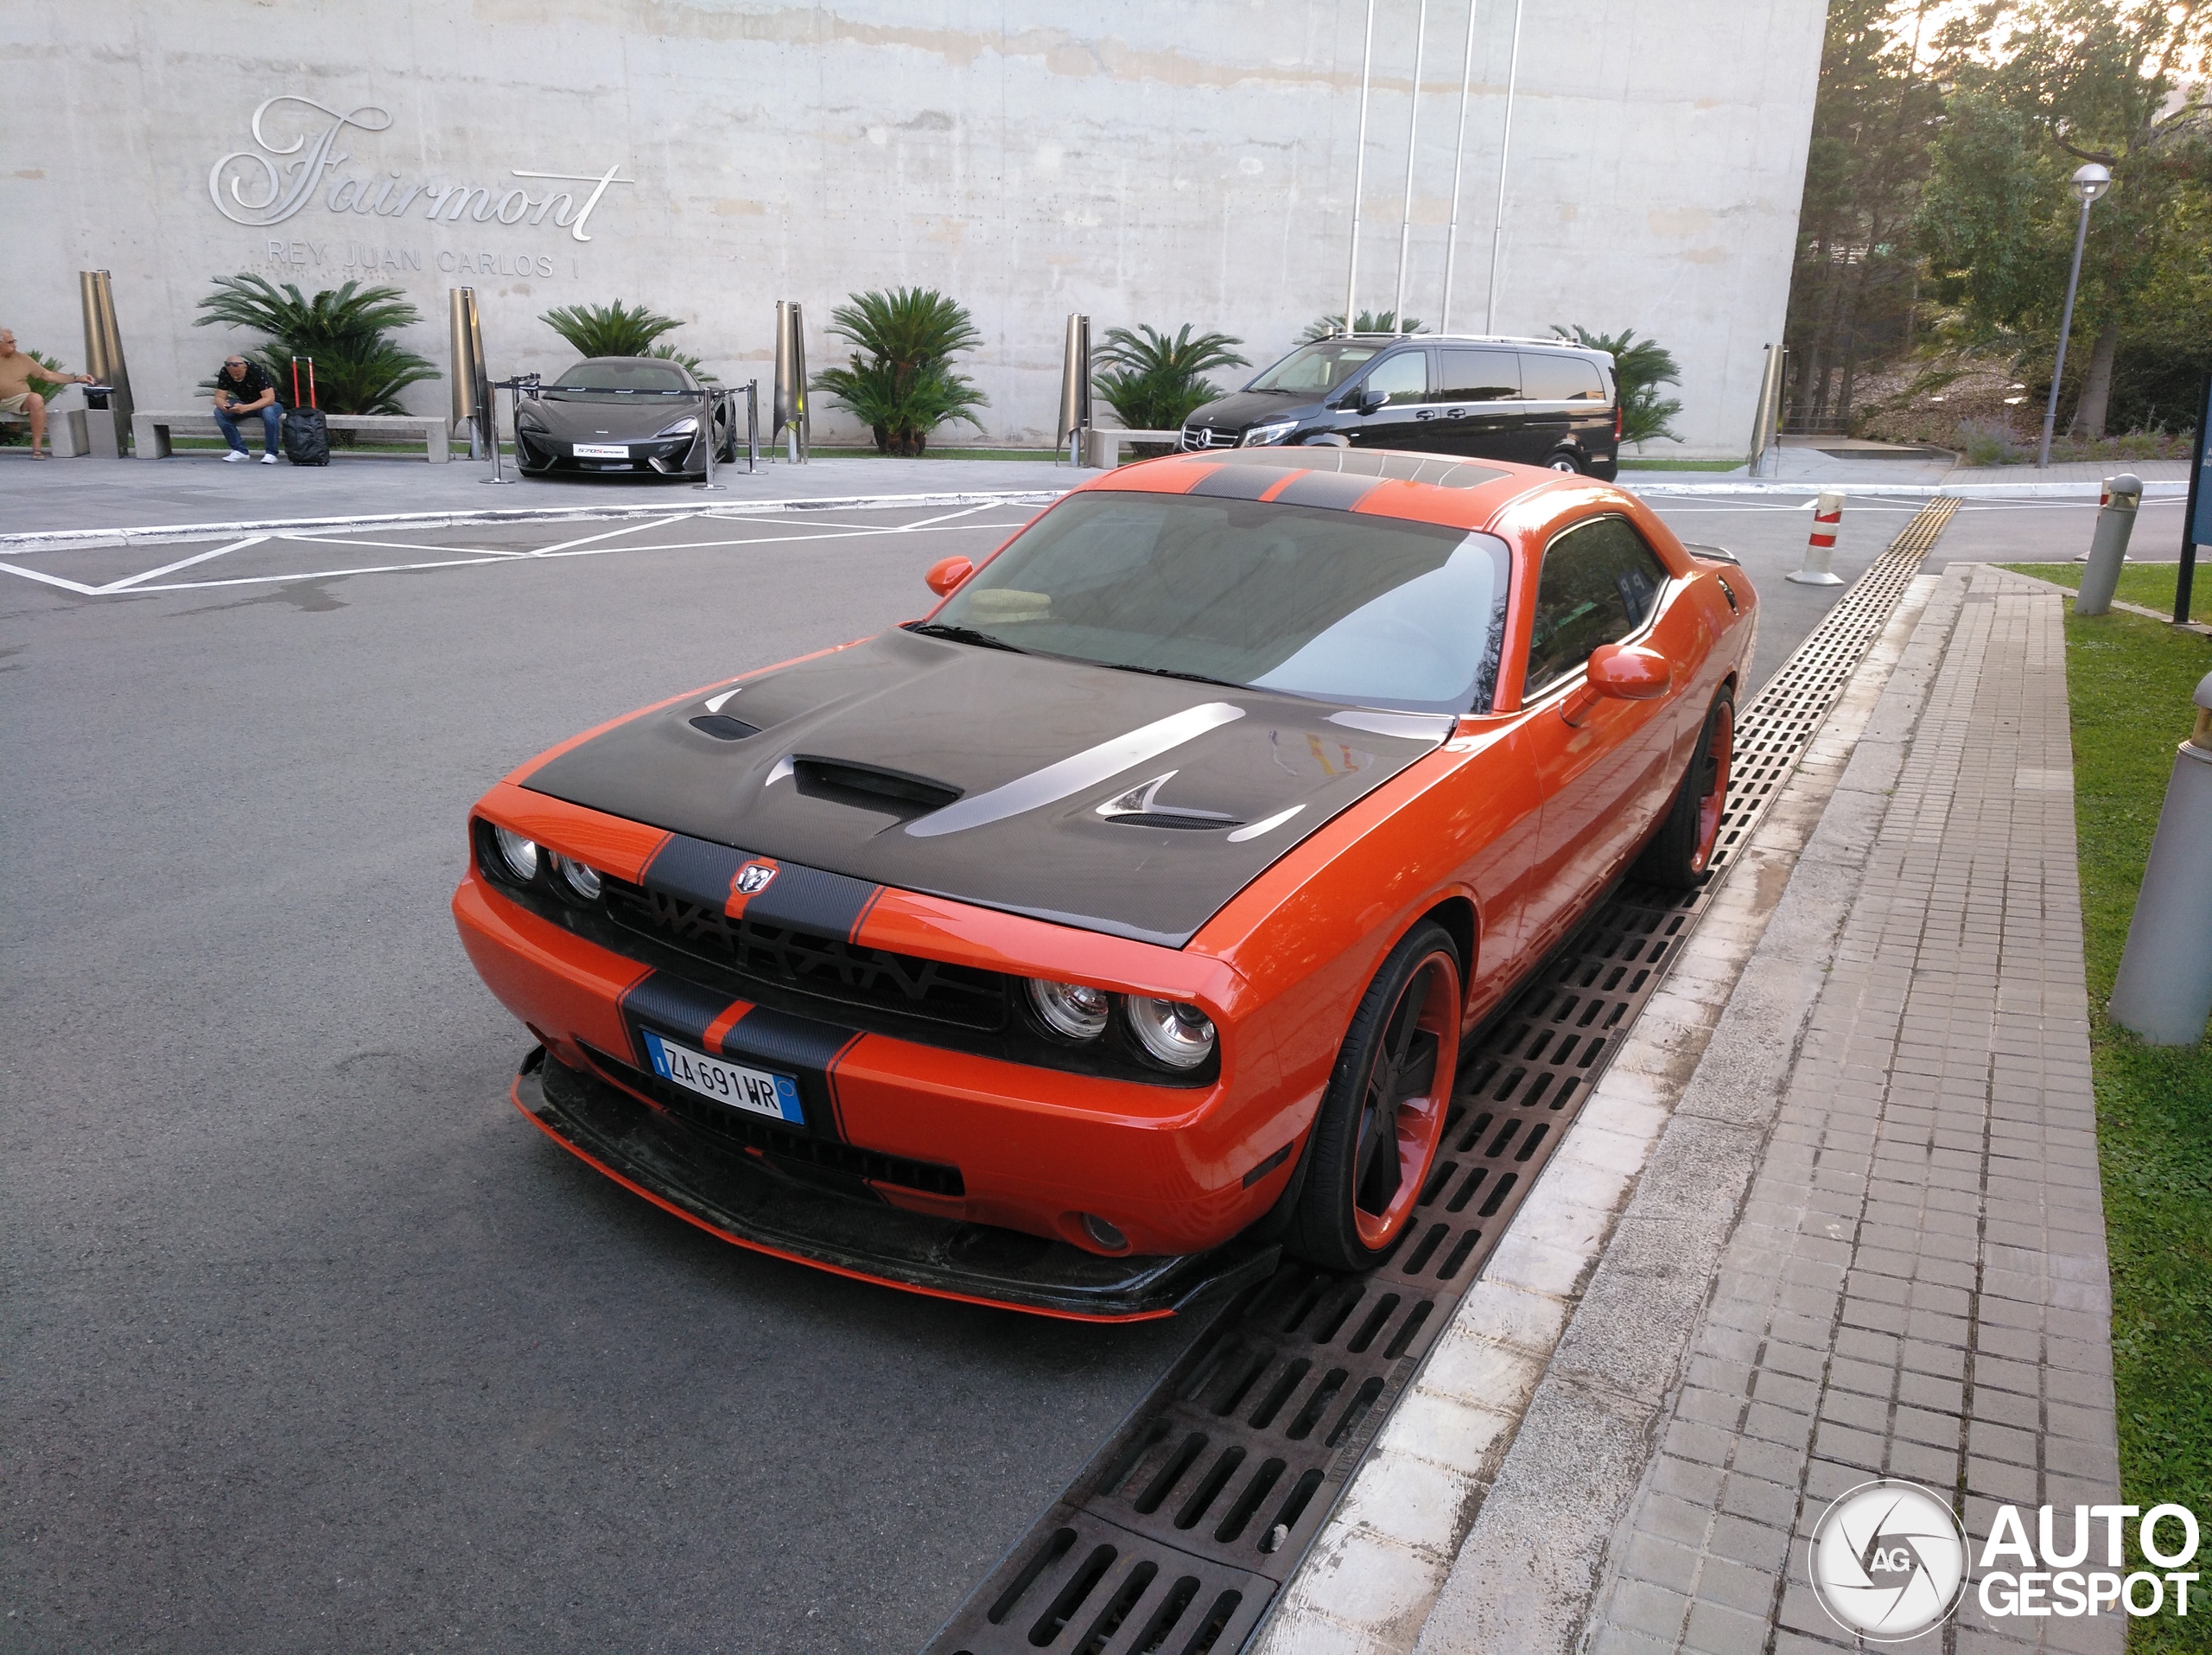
2090	181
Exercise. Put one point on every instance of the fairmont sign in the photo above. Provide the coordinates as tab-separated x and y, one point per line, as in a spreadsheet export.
280	177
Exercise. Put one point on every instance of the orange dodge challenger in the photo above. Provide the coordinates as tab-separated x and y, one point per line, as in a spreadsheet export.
1083	946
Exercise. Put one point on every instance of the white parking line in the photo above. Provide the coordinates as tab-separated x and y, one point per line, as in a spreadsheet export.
183	563
585	540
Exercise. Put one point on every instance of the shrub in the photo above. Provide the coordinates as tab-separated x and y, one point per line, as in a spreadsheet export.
357	369
610	329
1153	382
901	384
1370	322
1640	367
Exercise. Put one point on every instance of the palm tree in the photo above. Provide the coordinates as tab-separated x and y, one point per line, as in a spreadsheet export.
1640	367
357	369
1154	382
1370	322
608	329
905	387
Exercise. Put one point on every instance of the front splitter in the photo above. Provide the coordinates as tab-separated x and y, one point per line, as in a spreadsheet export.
742	1199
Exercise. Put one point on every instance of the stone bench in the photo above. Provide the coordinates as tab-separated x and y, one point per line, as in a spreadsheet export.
151	431
65	422
1103	449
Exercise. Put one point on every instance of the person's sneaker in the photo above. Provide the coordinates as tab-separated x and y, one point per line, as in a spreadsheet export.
234	456
268	459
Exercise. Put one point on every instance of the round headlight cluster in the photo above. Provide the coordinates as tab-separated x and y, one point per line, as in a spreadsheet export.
582	881
1071	1009
1177	1035
520	854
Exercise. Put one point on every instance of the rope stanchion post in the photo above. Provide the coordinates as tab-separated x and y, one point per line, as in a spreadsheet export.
1819	545
714	408
2108	545
752	425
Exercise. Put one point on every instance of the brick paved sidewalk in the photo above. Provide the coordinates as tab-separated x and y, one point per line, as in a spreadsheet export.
1914	1283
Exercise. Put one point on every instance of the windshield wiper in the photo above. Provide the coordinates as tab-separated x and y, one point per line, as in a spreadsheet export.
1170	673
963	636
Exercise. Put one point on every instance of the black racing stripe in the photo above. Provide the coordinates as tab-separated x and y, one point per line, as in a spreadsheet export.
799	1045
697	870
1246	481
1331	490
670	1004
811	900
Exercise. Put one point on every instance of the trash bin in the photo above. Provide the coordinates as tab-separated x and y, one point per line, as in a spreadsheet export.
104	423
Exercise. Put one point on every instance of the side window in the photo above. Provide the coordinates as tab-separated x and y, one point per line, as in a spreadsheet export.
1599	582
1480	376
1402	378
1559	378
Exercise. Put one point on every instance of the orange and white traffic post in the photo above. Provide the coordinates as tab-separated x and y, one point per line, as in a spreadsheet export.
1820	549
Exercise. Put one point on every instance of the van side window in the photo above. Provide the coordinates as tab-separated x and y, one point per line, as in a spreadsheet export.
1599	583
1559	378
1480	376
1402	378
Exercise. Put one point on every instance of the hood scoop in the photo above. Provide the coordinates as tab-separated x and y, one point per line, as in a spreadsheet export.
869	788
1141	807
723	728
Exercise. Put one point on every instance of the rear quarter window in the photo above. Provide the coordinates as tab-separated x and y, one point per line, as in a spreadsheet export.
1561	378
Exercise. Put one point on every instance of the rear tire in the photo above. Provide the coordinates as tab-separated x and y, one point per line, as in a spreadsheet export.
1376	1136
1680	854
1564	460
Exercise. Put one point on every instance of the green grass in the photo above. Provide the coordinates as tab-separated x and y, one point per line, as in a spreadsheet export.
869	453
2151	585
1628	464
2129	683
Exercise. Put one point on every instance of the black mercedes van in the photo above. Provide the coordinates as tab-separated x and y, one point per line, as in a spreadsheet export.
1541	403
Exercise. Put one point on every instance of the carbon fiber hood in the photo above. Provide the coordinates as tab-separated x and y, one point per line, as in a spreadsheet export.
1114	801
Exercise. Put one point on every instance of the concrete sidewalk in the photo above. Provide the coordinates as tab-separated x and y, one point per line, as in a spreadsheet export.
1871	1240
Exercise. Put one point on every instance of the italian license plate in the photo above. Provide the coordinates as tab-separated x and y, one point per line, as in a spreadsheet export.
754	1090
602	450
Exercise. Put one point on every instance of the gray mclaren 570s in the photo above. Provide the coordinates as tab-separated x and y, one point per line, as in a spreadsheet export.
639	416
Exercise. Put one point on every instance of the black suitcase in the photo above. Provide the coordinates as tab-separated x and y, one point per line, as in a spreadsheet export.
307	437
306	433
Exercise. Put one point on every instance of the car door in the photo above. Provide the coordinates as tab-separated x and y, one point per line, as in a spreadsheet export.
1478	403
1603	777
1565	404
1394	395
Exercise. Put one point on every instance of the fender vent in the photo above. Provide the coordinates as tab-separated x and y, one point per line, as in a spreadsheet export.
866	786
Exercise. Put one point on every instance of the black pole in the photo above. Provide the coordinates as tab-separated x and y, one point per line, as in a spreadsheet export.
2186	580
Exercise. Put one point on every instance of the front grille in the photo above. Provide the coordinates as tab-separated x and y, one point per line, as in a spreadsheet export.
1202	436
783	1144
830	967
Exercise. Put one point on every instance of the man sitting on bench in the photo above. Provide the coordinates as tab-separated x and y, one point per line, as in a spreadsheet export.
241	388
17	369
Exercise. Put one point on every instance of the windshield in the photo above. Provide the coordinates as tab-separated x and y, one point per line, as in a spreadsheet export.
1370	611
1316	370
635	375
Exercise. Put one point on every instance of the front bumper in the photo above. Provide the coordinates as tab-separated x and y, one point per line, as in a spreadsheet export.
745	1198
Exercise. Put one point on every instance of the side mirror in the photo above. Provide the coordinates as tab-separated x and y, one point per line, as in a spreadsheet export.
1370	401
947	573
1629	673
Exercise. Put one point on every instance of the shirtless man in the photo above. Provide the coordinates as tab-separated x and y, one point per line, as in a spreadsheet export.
17	369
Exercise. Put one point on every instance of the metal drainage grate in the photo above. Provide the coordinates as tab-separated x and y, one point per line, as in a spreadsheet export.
1177	1535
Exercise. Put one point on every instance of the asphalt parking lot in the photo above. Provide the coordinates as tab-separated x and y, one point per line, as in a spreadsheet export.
309	1341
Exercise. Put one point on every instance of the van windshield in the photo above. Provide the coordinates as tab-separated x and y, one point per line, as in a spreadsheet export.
1316	370
1340	606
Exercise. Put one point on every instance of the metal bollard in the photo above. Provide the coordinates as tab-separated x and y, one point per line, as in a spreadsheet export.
1820	547
752	425
2108	545
2163	991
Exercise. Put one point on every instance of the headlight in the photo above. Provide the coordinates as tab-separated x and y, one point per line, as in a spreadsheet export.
579	879
682	427
1260	435
1069	1009
519	854
1179	1035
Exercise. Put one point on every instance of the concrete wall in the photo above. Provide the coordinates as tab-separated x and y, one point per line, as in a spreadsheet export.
1139	161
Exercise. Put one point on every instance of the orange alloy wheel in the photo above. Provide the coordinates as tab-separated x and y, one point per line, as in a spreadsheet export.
1719	752
1408	1094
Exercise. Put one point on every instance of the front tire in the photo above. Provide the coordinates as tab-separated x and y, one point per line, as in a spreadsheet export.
1680	854
1376	1136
